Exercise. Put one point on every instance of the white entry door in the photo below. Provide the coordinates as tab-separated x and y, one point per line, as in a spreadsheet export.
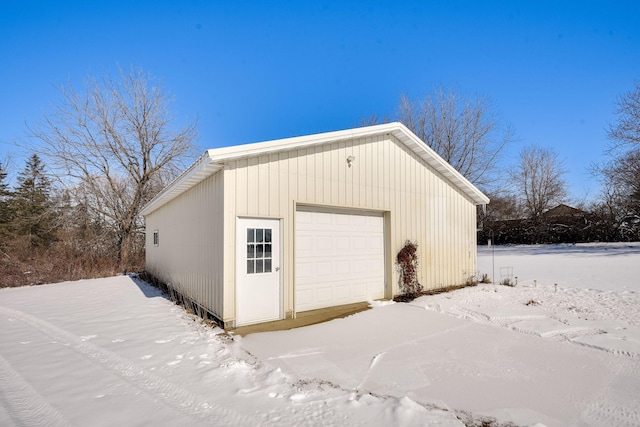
258	290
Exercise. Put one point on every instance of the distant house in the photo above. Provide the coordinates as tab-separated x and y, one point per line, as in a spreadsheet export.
563	211
261	232
560	224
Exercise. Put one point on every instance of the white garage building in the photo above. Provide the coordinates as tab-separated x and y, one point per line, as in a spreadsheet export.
260	232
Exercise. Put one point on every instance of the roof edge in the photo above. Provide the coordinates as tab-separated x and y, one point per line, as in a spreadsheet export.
442	166
199	170
212	160
257	148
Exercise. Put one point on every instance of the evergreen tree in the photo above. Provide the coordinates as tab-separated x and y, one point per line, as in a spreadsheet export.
5	211
32	205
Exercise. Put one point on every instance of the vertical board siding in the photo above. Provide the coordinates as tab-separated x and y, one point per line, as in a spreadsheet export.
230	199
197	230
385	176
189	256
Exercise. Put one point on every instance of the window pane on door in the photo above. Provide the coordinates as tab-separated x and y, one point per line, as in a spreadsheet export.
259	250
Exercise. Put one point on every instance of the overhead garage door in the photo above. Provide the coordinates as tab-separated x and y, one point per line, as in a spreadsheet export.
339	258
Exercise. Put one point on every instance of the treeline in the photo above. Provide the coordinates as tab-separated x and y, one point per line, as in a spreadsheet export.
531	211
111	147
75	212
562	224
47	235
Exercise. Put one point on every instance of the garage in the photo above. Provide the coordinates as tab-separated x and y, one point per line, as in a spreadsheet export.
259	232
339	257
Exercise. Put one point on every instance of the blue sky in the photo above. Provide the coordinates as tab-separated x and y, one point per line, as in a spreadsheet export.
255	71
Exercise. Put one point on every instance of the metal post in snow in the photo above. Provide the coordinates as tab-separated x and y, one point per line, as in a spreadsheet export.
493	258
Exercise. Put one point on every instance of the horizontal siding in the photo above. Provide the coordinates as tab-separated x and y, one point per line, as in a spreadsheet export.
189	256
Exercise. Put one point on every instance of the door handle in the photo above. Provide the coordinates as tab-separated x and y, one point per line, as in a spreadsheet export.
277	268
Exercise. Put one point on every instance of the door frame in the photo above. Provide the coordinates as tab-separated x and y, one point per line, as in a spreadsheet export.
242	223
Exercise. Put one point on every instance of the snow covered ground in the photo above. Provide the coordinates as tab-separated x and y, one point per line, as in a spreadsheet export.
116	352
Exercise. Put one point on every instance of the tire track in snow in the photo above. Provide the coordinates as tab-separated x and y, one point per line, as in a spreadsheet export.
629	354
474	316
23	403
173	395
511	322
569	333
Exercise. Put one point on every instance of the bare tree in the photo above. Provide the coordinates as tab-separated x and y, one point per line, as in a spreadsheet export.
622	173
503	207
116	143
373	119
539	180
621	191
463	131
626	130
